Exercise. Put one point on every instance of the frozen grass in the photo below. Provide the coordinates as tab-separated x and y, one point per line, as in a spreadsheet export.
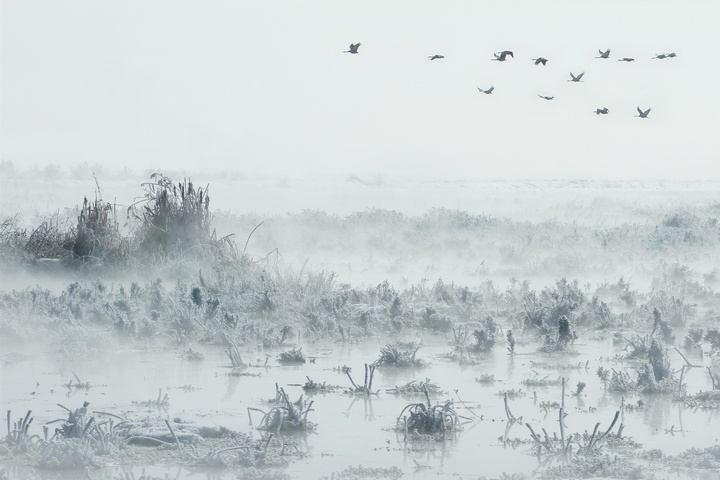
427	421
361	472
287	417
292	357
95	439
399	355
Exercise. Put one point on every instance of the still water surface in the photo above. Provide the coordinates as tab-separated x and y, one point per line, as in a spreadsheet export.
353	430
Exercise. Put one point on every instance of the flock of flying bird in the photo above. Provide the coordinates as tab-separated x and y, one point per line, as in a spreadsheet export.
503	56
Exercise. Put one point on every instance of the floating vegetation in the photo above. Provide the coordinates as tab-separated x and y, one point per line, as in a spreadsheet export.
559	366
487	378
511	394
160	402
434	422
394	355
193	355
605	466
415	387
538	381
362	473
708	400
311	387
292	357
77	385
286	417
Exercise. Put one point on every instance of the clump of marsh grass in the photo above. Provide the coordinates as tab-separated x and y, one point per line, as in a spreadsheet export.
571	446
595	466
311	387
615	380
487	378
559	341
292	357
286	417
97	236
394	355
420	420
76	443
18	439
483	333
172	216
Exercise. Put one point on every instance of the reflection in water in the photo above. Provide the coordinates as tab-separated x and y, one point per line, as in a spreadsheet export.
347	434
368	407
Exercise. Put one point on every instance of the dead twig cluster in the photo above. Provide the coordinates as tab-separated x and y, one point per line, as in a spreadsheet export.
366	387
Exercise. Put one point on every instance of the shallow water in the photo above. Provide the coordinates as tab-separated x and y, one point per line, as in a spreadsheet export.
354	430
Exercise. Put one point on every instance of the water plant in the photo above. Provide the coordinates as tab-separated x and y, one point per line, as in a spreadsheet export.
292	357
425	420
415	387
366	387
286	417
394	355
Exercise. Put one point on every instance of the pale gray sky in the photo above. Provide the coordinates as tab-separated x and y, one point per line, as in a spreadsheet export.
263	86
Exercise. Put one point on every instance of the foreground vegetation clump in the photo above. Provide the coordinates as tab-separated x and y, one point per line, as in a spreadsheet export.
421	420
96	439
287	416
594	467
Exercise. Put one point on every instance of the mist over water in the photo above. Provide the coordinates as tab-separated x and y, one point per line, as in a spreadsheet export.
455	251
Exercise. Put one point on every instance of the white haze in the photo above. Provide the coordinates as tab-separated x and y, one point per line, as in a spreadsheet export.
263	87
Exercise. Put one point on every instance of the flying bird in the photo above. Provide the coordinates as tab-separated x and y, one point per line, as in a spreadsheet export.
353	48
540	60
671	55
642	114
576	78
436	56
602	111
544	97
660	56
502	56
488	91
626	59
605	54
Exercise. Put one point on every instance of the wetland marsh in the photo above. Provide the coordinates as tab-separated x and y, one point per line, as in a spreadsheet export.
547	331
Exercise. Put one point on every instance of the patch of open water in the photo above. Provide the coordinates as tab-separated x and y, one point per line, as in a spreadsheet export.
353	430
